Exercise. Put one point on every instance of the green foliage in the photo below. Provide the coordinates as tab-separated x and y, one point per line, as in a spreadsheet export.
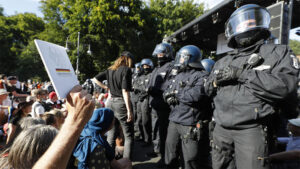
295	46
1	11
171	15
15	34
108	26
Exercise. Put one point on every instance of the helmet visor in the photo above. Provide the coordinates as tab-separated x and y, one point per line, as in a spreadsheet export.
159	49
181	59
247	20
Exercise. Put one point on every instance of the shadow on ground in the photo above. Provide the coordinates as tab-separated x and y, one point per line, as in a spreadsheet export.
140	161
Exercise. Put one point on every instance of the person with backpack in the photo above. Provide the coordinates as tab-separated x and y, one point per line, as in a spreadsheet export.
39	106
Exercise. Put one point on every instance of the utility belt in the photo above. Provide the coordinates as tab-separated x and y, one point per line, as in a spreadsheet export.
196	132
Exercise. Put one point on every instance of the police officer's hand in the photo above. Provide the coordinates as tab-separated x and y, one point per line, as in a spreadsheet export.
229	73
170	98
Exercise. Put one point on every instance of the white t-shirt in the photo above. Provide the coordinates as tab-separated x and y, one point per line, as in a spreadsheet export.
37	109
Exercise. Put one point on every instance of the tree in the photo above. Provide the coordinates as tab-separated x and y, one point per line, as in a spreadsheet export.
171	15
295	46
109	26
1	11
15	33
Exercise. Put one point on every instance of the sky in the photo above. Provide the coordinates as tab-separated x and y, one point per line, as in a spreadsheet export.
12	7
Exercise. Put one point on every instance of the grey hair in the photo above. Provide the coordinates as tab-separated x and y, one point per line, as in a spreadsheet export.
30	145
27	122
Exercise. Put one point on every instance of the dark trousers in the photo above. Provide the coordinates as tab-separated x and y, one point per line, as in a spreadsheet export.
144	119
120	112
239	148
155	131
163	122
134	109
195	151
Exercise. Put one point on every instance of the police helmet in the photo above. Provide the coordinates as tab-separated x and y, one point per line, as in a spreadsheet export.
189	55
208	64
165	49
247	25
137	65
147	62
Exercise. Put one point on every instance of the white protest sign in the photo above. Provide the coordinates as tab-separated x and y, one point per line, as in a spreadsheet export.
58	66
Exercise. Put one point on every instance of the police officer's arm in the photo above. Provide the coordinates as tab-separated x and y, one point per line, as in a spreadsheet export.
192	94
275	84
209	84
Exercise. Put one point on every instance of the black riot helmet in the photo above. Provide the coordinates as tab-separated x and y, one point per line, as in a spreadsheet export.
247	25
189	56
208	64
165	49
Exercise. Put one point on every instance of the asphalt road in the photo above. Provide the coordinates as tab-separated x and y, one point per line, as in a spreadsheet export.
140	161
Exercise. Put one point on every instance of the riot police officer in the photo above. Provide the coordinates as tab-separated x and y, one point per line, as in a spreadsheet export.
134	97
143	107
189	114
247	86
208	64
160	110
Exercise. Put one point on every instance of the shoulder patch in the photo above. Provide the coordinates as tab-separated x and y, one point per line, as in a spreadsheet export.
295	62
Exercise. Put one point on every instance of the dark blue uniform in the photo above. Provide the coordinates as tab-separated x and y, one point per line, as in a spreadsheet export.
192	107
245	109
143	108
160	109
134	99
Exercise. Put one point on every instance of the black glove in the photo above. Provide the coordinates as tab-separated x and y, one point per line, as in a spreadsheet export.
227	74
170	98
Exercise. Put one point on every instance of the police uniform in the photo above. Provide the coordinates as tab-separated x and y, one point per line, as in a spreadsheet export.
190	110
248	86
160	109
189	114
143	108
134	99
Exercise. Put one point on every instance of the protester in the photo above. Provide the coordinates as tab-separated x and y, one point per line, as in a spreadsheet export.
59	116
53	101
24	108
80	108
50	119
12	89
37	108
29	146
92	149
3	81
3	106
119	85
